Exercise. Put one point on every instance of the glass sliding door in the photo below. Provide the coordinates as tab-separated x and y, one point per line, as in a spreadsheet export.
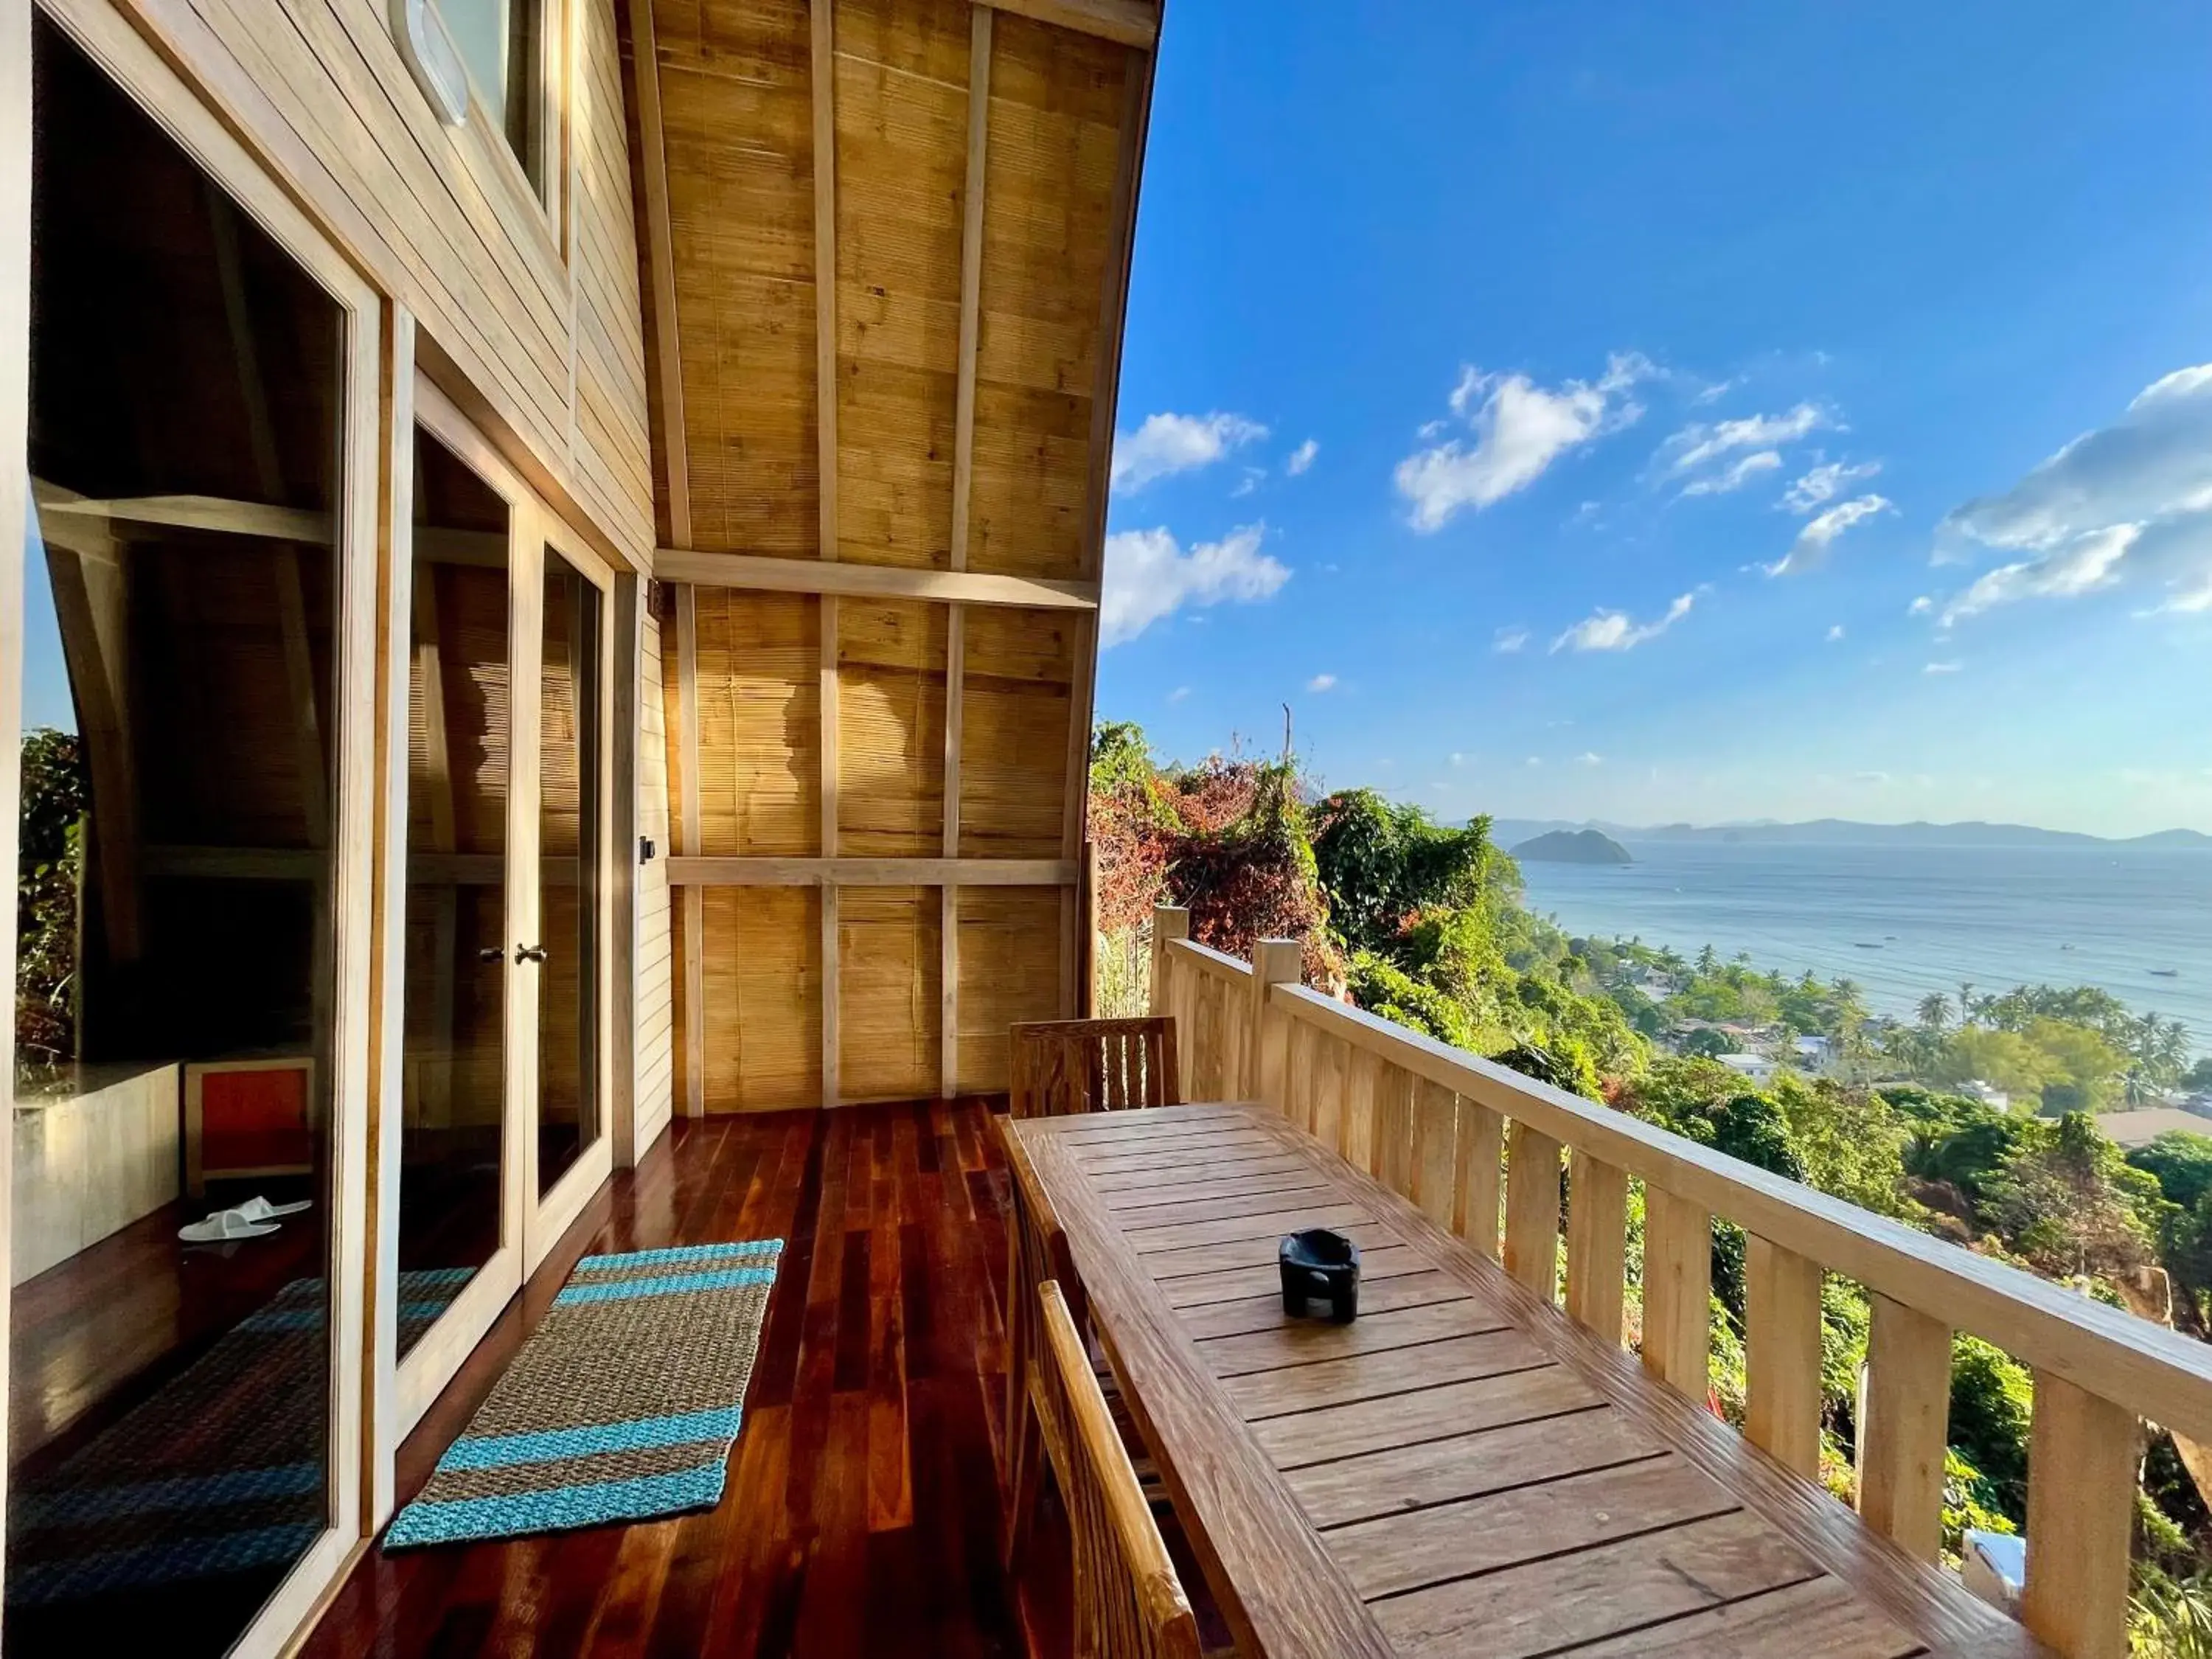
568	746
453	1081
189	1175
565	953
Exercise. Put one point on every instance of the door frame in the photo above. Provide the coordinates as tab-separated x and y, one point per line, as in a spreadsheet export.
142	74
531	1224
420	1377
552	1213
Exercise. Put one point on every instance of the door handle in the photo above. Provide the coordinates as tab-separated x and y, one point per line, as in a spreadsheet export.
529	953
491	953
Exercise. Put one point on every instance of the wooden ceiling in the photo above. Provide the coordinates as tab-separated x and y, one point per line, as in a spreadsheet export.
887	248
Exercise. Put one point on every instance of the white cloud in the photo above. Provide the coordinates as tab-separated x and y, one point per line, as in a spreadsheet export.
1734	477
1149	576
1178	694
1920	607
1254	476
1457	758
1589	758
1534	760
2130	501
1942	668
1167	444
1321	682
1823	482
1519	429
1813	540
1870	777
1301	458
1835	632
2089	562
1697	443
1507	641
1615	630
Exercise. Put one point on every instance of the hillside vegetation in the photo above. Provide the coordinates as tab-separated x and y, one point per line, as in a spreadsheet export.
1425	924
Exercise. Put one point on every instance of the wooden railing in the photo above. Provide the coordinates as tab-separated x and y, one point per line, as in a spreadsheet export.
1480	1149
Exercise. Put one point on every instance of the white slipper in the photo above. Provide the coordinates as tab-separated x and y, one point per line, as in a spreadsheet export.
258	1208
222	1226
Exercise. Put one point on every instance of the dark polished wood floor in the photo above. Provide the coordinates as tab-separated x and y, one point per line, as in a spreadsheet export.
862	1512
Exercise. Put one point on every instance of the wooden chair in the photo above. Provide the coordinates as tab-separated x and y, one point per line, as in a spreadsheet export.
1037	1254
1128	1603
1063	1066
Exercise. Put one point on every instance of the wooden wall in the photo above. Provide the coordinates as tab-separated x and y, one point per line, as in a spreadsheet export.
886	247
536	313
654	1095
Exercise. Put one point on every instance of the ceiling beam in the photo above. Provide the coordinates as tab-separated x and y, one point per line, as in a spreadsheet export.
870	582
834	872
1131	22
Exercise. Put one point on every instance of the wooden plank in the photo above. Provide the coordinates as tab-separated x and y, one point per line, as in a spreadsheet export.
1190	1258
1678	1270
869	872
1581	1597
1903	1417
1781	1338
1819	1618
1225	1201
1126	22
1268	1227
1389	1555
971	282
1240	1282
16	516
1479	1185
1436	1149
1407	1477
1532	1210
1437	1413
1147	1178
948	923
1597	1244
827	672
821	80
2081	1464
1264	1311
661	266
781	575
1375	1376
2156	1372
1306	1342
690	810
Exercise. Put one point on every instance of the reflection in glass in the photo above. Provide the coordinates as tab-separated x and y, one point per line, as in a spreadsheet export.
453	1078
170	1400
568	856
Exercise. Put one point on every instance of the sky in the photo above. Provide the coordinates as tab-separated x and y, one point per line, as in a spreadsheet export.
1662	413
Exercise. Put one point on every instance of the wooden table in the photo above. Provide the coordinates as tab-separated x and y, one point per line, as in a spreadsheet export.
1463	1470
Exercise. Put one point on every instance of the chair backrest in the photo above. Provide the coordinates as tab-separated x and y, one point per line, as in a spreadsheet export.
1037	1253
1063	1066
1128	1602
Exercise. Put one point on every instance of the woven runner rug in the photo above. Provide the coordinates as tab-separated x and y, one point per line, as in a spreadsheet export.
623	1405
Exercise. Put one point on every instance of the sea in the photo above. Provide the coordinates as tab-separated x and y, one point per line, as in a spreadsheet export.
1903	921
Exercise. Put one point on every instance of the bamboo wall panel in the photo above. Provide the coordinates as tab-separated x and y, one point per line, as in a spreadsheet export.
1057	104
891	725
902	112
888	975
759	723
1015	693
654	1055
540	317
737	106
1009	957
762	950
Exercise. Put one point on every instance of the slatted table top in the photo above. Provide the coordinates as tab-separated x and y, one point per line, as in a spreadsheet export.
1462	1471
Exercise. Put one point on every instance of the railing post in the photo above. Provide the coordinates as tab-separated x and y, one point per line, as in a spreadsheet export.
1267	1045
2082	1457
1678	1288
1904	1417
1782	1326
1169	922
1532	1210
1597	1244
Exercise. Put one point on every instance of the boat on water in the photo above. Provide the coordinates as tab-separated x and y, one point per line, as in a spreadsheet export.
2165	973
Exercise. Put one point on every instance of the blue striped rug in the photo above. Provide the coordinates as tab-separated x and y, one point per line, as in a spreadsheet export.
623	1405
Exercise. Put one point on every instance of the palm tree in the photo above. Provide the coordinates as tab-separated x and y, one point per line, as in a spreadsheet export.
1965	1002
1935	1011
1708	961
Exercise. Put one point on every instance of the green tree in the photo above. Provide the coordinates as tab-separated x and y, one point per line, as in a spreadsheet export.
1935	1011
2070	1204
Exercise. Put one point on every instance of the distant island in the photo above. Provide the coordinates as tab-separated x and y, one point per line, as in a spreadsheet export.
1842	832
1573	846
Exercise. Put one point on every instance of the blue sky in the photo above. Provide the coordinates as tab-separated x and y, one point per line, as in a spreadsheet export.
1658	413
